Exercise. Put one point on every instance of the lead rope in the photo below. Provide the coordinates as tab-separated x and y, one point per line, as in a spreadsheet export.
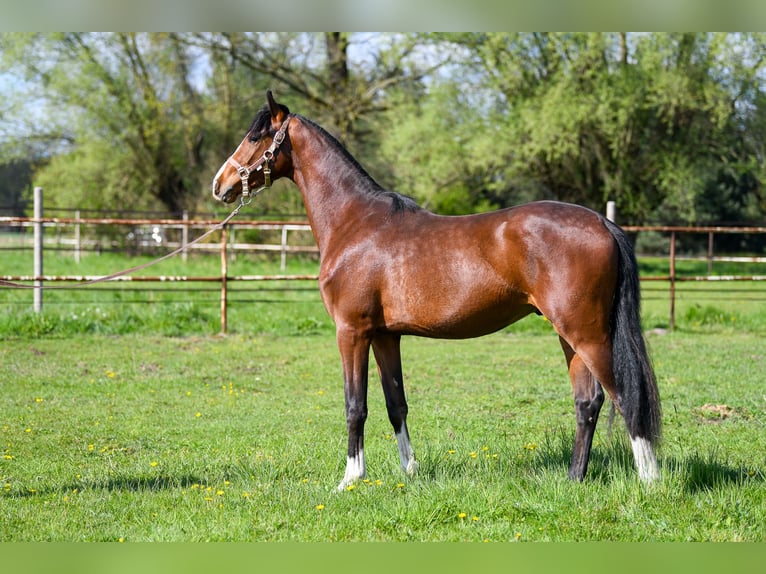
216	227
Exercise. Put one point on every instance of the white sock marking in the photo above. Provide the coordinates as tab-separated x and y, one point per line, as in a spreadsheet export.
406	454
355	470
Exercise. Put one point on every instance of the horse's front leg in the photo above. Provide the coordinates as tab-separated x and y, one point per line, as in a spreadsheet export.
388	357
355	356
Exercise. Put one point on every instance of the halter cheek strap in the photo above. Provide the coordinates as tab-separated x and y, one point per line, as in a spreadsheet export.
262	163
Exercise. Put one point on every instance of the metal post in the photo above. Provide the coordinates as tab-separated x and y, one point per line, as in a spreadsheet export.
710	253
224	273
38	249
672	281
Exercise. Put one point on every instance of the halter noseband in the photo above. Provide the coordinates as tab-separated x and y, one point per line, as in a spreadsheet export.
262	162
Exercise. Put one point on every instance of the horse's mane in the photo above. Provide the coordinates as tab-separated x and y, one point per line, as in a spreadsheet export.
399	202
262	121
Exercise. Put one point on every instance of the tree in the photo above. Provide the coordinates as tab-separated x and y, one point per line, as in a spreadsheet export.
129	116
649	120
15	180
145	120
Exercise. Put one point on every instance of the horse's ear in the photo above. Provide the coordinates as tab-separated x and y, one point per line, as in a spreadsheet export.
274	107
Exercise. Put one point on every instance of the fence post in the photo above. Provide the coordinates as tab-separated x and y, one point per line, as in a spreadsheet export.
611	210
672	281
185	235
710	253
224	273
38	249
283	262
77	244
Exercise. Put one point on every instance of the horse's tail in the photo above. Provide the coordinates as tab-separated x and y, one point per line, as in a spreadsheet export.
638	396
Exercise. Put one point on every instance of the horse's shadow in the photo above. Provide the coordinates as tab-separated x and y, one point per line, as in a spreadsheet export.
141	483
614	458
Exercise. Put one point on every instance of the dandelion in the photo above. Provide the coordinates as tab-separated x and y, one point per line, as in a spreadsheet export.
219	492
153	463
27	429
38	399
91	447
198	414
462	515
475	518
245	495
350	487
319	506
485	448
473	454
378	482
451	451
400	485
518	536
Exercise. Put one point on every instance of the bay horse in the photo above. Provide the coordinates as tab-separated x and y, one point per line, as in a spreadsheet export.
390	268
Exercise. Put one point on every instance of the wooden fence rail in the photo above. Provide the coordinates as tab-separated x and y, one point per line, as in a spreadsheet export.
227	245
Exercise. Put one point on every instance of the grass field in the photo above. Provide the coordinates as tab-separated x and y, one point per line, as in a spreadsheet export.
136	422
242	438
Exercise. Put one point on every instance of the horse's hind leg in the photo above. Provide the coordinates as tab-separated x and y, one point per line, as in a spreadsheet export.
388	357
588	398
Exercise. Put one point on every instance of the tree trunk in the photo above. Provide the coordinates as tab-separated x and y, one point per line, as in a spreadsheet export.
338	76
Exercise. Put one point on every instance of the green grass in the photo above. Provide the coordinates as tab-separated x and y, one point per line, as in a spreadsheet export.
145	438
124	416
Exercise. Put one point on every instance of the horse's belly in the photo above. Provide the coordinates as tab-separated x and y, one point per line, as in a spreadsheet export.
441	315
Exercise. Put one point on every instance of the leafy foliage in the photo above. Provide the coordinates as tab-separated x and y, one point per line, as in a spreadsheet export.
670	126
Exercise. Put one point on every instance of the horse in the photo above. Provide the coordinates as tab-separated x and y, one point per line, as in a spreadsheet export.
390	268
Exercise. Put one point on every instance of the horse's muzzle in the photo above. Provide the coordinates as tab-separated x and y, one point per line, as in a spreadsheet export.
225	196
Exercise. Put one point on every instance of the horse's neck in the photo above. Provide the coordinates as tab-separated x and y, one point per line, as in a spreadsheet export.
333	188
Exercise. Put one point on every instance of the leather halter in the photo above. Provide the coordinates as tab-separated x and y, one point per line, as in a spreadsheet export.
262	162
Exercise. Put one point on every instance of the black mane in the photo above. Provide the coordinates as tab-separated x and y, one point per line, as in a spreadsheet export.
262	122
262	125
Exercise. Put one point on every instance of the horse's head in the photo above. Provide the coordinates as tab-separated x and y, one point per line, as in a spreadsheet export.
261	157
